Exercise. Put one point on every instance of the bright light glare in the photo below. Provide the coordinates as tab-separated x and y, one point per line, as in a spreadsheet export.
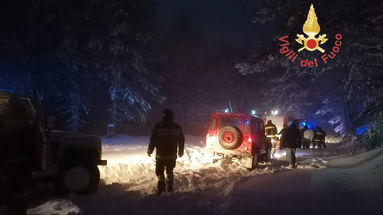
279	154
227	110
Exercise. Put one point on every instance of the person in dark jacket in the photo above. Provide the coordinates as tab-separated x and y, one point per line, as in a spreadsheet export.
17	140
284	128
319	137
166	137
291	140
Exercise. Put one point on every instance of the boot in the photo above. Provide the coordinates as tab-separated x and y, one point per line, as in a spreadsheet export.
160	187
170	185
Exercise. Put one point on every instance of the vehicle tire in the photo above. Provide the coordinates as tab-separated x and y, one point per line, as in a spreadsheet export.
78	178
254	163
230	137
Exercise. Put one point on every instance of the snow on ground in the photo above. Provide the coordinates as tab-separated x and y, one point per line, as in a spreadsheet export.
129	180
201	187
194	171
351	185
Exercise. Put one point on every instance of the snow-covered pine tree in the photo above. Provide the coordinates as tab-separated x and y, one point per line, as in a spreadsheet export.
349	103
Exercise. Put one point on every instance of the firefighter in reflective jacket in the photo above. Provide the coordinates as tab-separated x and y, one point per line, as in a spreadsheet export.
271	131
319	137
166	137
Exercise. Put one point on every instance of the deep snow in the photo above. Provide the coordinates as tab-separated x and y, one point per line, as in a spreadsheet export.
221	188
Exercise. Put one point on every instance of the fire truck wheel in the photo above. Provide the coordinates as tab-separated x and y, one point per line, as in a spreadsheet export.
230	137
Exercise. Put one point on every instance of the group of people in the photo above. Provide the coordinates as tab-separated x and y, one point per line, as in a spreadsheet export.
314	138
291	138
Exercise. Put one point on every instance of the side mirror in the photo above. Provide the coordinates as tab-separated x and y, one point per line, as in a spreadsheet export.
51	122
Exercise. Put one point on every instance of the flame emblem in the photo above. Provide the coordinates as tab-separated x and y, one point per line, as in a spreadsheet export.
311	28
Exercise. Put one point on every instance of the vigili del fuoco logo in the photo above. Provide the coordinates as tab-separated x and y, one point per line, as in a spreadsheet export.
311	41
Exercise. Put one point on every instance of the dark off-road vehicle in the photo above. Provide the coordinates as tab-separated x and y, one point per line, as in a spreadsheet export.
237	135
69	161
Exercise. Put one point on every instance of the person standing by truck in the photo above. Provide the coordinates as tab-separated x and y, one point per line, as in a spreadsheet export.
308	135
291	140
17	133
319	137
166	137
270	131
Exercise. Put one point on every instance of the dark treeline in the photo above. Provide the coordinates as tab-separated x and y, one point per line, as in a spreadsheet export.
99	62
345	94
91	61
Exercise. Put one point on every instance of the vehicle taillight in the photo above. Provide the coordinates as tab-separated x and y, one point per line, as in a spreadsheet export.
209	140
248	143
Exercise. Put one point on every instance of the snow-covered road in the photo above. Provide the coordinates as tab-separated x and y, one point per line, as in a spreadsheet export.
349	185
205	188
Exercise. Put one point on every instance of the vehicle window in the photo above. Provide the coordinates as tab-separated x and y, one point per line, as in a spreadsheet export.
229	122
30	110
26	102
213	124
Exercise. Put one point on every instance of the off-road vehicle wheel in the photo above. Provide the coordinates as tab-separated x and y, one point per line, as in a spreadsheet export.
230	137
78	178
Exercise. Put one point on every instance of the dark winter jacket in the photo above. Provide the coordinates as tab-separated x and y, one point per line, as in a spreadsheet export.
270	130
319	135
291	137
17	132
166	137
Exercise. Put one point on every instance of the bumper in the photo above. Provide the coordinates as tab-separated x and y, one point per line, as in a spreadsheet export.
235	153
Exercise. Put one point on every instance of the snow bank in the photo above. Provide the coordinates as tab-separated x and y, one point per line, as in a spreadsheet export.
56	207
194	172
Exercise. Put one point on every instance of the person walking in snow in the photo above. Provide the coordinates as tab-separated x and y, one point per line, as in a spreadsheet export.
319	137
290	141
166	137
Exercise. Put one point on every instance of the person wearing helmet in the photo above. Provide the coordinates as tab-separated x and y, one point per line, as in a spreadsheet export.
166	138
270	131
